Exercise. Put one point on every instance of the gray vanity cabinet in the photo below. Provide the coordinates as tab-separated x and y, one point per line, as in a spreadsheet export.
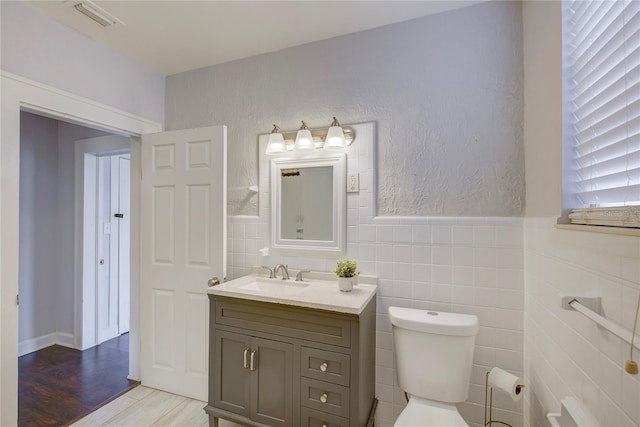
280	365
233	390
255	377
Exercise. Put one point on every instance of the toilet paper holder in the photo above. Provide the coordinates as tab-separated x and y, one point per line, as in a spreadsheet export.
508	383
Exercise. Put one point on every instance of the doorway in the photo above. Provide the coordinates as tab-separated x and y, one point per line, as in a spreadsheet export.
103	251
73	191
113	306
48	256
22	94
106	226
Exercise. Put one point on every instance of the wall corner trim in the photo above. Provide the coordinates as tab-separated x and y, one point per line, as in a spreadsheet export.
141	125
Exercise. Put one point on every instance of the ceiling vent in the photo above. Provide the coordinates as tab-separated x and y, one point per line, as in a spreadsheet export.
97	14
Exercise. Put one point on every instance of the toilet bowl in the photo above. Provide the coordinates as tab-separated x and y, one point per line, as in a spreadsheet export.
433	357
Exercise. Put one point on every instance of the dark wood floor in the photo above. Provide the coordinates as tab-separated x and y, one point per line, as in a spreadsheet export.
58	385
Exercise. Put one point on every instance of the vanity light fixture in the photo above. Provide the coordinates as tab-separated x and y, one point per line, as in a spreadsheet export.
276	143
335	138
304	139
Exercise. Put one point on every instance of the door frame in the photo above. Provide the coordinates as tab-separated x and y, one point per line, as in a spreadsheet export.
121	245
85	274
22	94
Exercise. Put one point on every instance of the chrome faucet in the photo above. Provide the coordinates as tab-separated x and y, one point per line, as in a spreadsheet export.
299	275
272	274
285	272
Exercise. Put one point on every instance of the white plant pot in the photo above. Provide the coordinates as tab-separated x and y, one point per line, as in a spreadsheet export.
346	283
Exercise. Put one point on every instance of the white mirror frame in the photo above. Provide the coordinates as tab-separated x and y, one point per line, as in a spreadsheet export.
338	242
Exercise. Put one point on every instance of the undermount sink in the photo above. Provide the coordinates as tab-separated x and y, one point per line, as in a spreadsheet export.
282	287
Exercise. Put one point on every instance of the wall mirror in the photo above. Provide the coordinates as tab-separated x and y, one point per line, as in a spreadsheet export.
308	203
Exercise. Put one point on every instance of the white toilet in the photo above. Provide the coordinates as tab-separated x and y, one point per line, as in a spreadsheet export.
433	354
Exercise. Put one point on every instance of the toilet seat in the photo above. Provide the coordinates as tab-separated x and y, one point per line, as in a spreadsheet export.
429	413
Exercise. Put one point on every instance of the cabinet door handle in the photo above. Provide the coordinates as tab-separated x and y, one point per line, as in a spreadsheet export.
323	398
245	365
252	366
323	367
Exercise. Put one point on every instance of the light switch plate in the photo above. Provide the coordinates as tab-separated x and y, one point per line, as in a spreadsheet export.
353	182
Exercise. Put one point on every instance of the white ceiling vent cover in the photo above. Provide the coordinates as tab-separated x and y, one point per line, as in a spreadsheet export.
96	13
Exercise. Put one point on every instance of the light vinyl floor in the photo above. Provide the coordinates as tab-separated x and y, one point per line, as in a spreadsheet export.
144	406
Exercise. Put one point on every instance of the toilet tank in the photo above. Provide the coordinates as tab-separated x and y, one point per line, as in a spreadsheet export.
433	352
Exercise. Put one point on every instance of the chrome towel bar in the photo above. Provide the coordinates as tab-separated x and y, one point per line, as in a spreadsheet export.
586	305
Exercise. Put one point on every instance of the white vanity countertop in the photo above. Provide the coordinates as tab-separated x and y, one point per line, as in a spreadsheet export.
314	292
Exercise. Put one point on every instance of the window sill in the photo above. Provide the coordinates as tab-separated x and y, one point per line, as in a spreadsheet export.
621	231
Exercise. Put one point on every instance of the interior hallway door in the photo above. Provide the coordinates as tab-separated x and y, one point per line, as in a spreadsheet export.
183	239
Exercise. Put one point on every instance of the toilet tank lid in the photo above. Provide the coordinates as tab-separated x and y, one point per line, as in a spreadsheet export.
434	322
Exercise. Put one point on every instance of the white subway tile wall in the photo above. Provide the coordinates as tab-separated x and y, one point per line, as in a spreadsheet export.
437	276
465	265
567	354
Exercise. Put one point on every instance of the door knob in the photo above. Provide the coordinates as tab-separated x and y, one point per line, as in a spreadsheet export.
213	282
323	398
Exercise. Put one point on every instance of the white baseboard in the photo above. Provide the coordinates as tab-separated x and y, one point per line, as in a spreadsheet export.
65	340
38	343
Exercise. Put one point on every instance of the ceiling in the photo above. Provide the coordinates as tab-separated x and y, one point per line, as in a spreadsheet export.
175	36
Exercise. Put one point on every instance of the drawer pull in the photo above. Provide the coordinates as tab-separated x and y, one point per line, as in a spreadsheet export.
323	367
245	364
324	425
252	366
323	398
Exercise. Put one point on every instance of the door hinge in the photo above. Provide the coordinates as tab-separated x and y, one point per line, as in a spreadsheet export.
17	299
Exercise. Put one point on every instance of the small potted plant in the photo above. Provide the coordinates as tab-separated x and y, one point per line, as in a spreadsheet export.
347	274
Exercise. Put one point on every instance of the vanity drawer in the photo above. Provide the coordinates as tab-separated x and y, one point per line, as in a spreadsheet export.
324	396
313	418
325	365
290	322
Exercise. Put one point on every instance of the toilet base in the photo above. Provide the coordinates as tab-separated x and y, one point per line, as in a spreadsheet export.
425	413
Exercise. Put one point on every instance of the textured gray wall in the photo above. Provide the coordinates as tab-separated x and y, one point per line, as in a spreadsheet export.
445	90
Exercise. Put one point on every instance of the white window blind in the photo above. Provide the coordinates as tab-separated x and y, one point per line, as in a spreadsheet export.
602	74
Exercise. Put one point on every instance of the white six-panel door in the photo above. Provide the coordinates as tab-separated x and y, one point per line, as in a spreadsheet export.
182	225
